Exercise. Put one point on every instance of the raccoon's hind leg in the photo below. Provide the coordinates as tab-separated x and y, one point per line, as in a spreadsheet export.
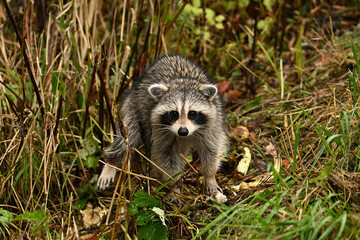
116	153
210	161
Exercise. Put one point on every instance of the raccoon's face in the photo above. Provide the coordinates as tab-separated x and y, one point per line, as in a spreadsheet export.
183	110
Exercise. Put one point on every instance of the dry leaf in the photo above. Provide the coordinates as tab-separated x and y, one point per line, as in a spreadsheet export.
270	150
240	131
252	136
224	87
231	95
285	163
92	217
89	236
244	163
260	164
248	185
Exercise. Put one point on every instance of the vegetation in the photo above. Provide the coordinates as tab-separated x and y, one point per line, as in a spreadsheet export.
289	74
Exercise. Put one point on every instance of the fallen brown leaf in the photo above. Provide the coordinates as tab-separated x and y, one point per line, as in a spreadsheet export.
285	163
239	131
224	87
260	164
231	95
270	150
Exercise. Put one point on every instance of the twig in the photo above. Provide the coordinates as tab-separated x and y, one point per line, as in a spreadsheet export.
187	162
154	164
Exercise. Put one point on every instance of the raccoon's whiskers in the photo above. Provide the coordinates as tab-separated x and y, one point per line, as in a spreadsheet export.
198	136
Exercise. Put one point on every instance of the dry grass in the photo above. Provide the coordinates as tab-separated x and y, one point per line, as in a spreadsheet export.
62	83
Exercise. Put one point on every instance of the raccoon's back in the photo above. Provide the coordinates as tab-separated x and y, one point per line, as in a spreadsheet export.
169	67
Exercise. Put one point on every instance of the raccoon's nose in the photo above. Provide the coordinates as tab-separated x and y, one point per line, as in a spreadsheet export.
183	131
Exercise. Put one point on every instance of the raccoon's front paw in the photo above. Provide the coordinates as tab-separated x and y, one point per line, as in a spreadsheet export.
220	197
216	192
107	176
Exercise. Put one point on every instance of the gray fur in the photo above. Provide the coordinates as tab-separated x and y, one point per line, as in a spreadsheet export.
173	83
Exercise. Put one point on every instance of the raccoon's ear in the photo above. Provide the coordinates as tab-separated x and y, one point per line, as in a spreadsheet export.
157	90
208	90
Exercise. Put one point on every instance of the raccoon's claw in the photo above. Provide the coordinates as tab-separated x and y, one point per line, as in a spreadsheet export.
211	190
217	194
107	176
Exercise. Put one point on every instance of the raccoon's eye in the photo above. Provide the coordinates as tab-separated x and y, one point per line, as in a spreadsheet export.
192	115
174	115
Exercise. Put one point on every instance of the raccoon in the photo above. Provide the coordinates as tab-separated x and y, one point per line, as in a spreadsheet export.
184	112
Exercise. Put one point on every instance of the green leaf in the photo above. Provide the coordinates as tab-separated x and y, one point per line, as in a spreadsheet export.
12	74
269	4
243	3
143	199
84	193
196	3
90	144
228	5
81	204
193	10
219	26
84	153
324	174
5	216
90	147
144	216
152	231
133	209
31	216
54	82
219	18
265	25
91	162
253	103
210	16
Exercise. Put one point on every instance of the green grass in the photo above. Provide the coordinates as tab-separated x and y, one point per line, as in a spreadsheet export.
87	56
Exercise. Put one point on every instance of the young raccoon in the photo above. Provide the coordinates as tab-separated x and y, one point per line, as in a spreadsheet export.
184	111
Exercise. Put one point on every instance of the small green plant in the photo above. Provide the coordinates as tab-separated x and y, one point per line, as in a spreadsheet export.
39	217
149	216
89	148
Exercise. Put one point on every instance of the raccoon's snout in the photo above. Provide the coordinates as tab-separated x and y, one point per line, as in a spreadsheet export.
183	132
